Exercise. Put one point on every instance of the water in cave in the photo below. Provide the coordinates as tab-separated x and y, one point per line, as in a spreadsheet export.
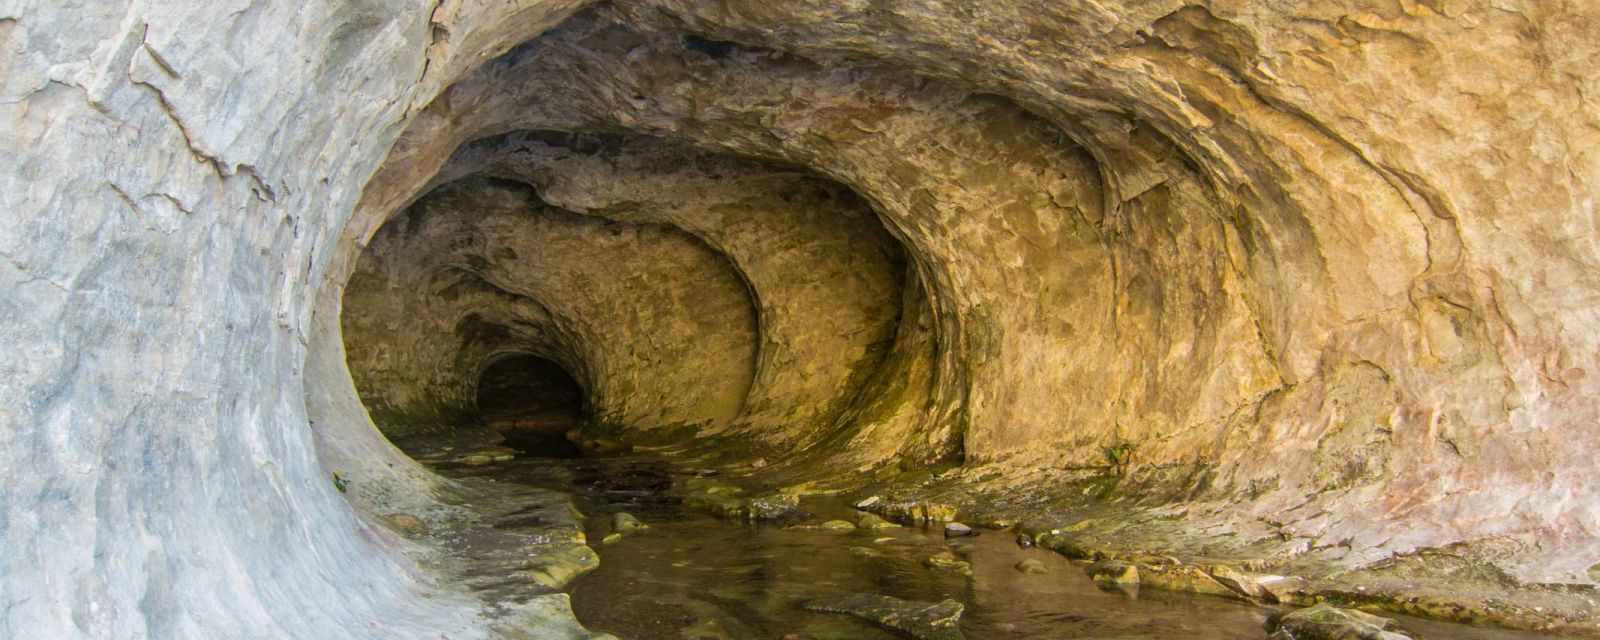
804	359
397	320
533	402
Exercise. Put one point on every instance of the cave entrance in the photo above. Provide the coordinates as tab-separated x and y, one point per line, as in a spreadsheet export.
533	402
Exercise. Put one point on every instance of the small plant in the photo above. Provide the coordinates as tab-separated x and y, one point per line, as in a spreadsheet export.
340	483
1118	455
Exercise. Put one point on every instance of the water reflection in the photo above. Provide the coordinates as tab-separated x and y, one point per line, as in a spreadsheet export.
695	577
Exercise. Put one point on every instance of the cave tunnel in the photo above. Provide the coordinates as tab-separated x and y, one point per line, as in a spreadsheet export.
807	319
533	401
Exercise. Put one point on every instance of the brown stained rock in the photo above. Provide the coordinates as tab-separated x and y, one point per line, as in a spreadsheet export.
408	525
922	620
1185	578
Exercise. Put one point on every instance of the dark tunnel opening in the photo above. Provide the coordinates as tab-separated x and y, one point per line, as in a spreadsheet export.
533	402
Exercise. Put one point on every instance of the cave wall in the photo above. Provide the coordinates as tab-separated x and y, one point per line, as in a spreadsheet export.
1339	251
481	268
805	256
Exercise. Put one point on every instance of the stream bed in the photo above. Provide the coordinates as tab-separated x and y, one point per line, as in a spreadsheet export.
694	576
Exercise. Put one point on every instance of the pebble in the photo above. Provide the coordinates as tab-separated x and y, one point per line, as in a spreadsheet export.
957	530
1024	540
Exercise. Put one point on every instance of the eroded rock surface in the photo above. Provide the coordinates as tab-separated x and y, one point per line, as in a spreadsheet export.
1315	279
922	620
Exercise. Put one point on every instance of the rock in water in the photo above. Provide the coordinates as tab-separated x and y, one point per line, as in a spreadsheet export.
924	620
870	521
1111	573
624	522
956	530
1032	566
1327	622
947	561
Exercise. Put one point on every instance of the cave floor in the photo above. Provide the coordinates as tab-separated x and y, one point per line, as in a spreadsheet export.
700	570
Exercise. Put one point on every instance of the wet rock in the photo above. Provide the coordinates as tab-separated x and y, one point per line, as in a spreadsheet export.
957	530
623	522
1285	590
1025	541
947	561
611	538
772	506
1327	622
1069	546
1186	578
999	523
1113	573
1241	583
867	503
553	566
408	525
1031	566
915	513
725	501
922	620
872	521
837	525
605	446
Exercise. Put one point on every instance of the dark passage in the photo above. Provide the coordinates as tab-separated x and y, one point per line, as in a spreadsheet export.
533	402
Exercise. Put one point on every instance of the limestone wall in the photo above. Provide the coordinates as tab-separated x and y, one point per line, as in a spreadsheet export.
1339	255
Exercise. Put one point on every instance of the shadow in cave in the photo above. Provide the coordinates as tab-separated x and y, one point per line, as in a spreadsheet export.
533	402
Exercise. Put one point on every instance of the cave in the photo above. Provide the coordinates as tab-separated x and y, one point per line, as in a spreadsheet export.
582	319
534	401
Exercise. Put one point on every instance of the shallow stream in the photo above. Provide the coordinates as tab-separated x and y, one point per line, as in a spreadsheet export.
693	576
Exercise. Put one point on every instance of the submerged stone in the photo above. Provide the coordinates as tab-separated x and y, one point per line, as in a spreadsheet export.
1031	566
1327	622
948	561
872	521
922	620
